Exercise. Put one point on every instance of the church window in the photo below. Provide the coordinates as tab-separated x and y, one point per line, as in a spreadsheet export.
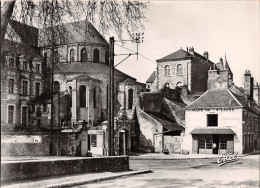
84	55
179	69
96	56
94	98
72	56
167	70
82	96
56	86
107	58
130	98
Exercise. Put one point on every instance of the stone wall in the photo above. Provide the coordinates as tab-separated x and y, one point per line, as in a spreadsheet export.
50	168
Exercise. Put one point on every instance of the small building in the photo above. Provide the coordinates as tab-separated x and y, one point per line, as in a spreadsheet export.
225	119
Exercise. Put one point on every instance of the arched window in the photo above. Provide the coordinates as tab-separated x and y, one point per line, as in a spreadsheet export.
107	58
167	70
56	56
82	96
167	84
56	86
72	56
94	98
179	84
130	98
179	69
96	56
84	55
70	97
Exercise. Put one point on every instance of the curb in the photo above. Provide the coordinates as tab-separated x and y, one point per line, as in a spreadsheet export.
185	158
75	183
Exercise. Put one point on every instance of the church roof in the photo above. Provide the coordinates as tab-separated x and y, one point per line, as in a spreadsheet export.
151	78
74	32
88	68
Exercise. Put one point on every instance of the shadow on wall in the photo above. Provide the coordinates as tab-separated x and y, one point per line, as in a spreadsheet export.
145	145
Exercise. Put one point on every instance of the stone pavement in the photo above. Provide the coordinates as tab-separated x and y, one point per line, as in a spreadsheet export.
72	180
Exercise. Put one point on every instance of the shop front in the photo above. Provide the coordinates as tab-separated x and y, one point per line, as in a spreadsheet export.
212	141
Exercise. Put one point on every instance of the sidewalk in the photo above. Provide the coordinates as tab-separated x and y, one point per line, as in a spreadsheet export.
161	156
72	180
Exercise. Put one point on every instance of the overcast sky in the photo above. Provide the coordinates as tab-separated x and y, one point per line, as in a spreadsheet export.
213	26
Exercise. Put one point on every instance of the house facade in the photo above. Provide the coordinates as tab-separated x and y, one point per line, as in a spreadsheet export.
225	119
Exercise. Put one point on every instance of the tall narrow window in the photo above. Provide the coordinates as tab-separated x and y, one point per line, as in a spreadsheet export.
11	62
212	120
179	69
11	86
70	97
56	86
107	58
56	56
130	98
25	65
94	98
38	68
84	55
37	89
24	116
82	96
96	56
11	114
167	70
72	56
25	87
45	57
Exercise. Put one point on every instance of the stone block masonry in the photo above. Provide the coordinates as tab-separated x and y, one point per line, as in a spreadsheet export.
22	170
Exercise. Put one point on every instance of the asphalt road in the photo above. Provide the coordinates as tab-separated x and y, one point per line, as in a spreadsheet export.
190	173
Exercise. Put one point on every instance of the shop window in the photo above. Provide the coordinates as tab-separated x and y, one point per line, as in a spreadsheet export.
223	145
179	69
83	55
130	98
11	86
167	70
208	144
96	56
72	56
82	96
201	144
212	120
11	114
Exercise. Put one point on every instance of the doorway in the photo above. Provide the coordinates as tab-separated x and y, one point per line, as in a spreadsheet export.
215	145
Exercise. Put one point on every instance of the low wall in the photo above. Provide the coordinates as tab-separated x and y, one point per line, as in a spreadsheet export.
37	169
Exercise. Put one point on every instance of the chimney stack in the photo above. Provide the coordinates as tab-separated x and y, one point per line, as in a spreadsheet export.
206	55
248	85
191	50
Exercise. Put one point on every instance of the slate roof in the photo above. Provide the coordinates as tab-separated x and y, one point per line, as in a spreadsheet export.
28	34
215	98
167	123
74	32
211	131
151	78
88	68
180	54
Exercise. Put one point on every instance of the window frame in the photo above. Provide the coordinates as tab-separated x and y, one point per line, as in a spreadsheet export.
96	55
38	68
27	87
212	122
179	71
8	114
39	91
12	86
167	71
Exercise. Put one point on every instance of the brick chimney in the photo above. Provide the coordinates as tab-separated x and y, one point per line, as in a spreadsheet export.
256	93
206	55
248	85
191	50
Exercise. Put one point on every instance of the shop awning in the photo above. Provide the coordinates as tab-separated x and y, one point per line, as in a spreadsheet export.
211	131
